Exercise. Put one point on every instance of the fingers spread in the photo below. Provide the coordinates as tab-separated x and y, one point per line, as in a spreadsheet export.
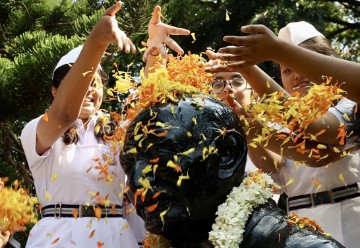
126	47
234	104
231	49
237	65
118	38
233	53
211	54
230	57
217	68
129	46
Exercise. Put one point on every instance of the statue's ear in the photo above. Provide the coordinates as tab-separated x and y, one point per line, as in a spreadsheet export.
232	151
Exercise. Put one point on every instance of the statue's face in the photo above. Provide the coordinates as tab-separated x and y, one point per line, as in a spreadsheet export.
188	158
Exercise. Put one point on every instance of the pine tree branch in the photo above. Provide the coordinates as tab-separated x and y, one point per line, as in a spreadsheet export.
2	32
12	145
348	25
347	2
26	10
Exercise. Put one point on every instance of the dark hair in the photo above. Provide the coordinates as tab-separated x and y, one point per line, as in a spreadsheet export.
319	44
59	74
106	126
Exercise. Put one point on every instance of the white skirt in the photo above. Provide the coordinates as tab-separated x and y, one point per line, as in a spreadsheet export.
81	232
341	220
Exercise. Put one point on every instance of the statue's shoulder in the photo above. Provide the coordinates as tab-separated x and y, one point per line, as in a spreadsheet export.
268	226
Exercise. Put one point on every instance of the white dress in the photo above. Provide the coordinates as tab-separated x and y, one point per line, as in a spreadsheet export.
341	220
77	174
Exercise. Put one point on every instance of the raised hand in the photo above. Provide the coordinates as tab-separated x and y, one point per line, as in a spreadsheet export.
107	30
255	48
159	36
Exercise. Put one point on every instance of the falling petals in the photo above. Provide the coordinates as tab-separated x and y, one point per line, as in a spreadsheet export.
316	183
55	241
17	208
92	234
290	181
45	117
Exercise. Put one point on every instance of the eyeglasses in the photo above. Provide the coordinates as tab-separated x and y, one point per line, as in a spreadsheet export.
237	83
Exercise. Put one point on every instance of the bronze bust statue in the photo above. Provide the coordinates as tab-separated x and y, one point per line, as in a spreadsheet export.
182	160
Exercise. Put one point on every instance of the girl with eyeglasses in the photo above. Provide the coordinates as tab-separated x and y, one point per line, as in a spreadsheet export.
332	189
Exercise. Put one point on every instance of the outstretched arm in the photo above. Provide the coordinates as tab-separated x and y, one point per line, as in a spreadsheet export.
263	45
67	103
264	84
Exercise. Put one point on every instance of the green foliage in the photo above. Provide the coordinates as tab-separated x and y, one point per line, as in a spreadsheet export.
6	68
29	87
28	15
84	24
24	42
207	19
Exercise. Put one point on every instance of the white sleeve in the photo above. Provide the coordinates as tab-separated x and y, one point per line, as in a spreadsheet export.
28	141
343	108
345	112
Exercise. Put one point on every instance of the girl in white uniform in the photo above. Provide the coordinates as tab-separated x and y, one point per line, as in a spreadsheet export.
78	181
328	194
75	174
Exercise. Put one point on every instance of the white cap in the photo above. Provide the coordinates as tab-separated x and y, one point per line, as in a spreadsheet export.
298	32
70	57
